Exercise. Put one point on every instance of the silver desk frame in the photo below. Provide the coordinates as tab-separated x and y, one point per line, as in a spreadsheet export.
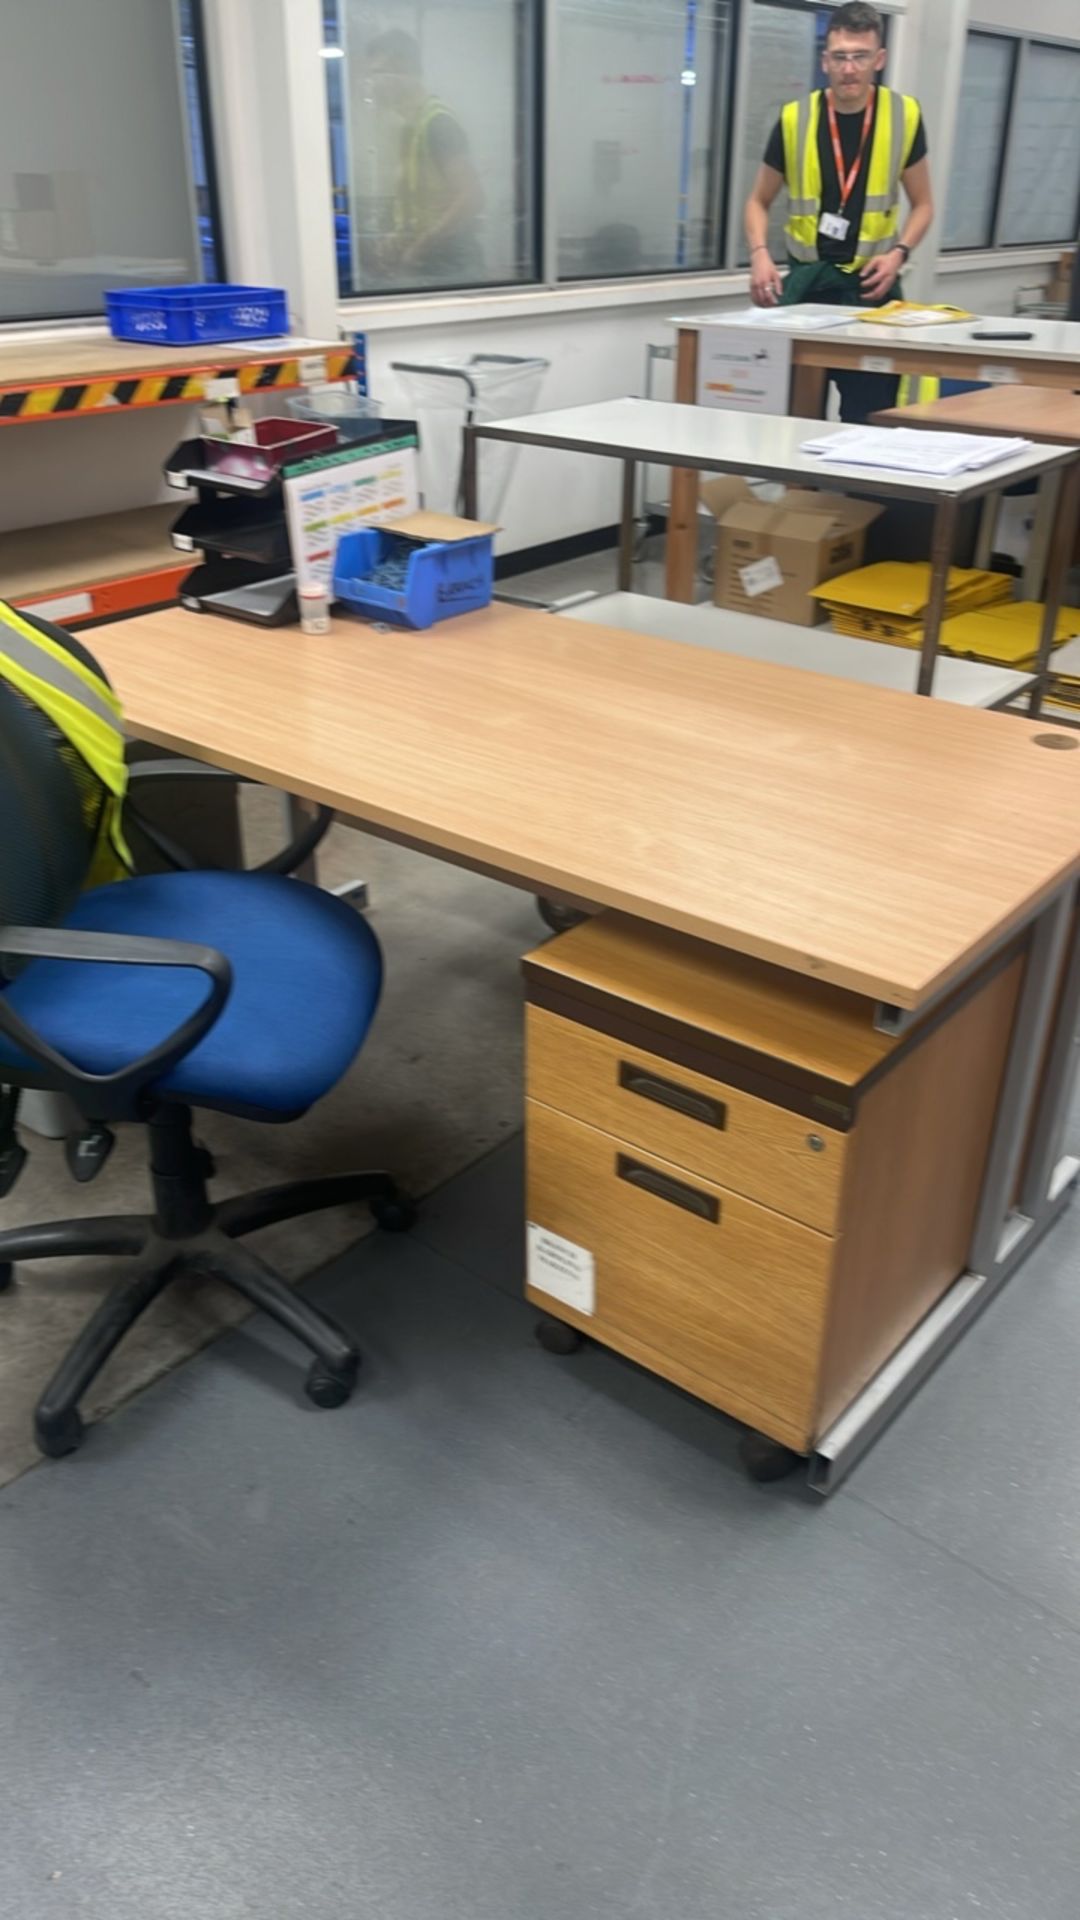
1062	466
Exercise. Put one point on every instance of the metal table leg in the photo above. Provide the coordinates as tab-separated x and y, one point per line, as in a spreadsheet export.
941	553
297	813
626	527
1006	1227
1061	550
469	473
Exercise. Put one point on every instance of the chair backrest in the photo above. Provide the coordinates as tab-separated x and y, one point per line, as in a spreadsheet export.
50	807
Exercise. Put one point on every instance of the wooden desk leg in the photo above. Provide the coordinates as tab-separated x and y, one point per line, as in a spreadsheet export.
627	527
1061	549
941	553
809	389
682	528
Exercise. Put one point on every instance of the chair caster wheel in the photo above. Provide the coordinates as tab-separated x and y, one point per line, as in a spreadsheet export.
326	1389
7	1276
766	1460
556	1337
394	1213
59	1433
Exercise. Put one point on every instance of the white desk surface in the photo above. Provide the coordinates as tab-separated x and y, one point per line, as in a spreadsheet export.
768	445
967	683
1051	339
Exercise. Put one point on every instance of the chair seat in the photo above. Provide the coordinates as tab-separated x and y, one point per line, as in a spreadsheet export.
307	972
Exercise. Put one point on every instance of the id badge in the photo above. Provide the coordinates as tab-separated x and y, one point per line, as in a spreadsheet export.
834	226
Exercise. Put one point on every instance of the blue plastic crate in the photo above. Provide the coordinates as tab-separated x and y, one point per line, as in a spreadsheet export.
192	315
411	582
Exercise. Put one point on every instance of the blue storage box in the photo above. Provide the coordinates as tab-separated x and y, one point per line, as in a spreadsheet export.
189	316
416	571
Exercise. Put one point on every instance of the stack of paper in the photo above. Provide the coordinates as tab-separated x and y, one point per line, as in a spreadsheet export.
889	601
940	456
811	318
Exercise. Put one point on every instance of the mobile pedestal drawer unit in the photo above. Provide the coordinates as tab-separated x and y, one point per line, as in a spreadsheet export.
735	1180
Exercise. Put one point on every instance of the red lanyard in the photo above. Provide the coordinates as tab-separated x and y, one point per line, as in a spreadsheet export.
847	183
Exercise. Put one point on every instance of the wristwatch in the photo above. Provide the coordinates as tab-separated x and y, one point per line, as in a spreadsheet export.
906	251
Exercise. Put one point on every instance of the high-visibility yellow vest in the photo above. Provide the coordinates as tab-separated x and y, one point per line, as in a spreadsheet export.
895	128
918	389
423	194
81	705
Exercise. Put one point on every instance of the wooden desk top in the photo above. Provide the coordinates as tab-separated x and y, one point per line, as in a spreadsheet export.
71	358
1039	413
860	836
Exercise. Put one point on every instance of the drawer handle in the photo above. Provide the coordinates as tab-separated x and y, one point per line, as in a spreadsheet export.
673	1191
667	1093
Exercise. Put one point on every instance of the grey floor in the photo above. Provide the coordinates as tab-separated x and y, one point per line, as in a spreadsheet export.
511	1636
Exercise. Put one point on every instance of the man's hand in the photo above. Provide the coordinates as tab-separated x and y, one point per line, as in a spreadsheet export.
881	275
765	283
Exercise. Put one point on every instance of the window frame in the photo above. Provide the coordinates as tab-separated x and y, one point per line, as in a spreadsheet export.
1020	42
725	198
199	42
532	28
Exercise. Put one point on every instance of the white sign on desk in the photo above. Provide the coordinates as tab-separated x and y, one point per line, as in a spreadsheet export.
744	369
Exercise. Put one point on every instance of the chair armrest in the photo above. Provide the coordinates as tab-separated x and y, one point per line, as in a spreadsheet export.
298	850
114	1095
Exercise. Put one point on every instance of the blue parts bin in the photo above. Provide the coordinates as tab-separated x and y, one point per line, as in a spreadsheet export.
195	315
408	576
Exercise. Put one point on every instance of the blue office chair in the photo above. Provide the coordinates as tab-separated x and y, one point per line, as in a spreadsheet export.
249	993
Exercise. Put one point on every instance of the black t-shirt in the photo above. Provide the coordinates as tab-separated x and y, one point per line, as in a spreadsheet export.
850	126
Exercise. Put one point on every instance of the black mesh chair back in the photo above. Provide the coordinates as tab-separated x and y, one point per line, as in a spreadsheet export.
50	808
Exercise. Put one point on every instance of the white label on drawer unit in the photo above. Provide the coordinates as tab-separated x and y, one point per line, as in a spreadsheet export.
560	1268
222	386
312	369
876	363
997	375
761	577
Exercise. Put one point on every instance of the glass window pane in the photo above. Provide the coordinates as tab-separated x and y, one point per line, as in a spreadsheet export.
431	142
96	184
640	115
979	142
1042	172
782	65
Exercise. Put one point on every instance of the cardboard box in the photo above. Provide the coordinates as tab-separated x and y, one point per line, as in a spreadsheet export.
769	558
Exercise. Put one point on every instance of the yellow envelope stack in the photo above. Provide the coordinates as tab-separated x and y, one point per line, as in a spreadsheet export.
888	601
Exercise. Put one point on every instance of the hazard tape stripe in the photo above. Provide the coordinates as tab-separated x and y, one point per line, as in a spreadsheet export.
161	389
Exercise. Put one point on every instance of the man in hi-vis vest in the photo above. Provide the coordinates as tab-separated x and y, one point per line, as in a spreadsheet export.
843	155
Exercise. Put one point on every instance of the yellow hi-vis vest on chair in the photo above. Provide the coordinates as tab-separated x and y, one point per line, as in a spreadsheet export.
895	127
82	707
